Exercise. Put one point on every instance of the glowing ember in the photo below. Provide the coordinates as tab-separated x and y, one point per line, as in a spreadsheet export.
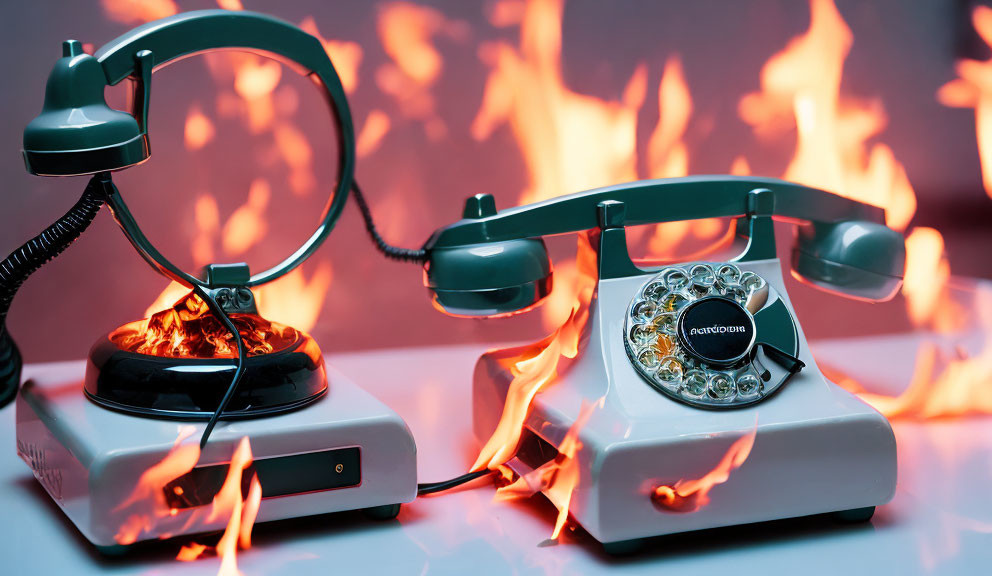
973	89
691	495
189	330
558	478
801	88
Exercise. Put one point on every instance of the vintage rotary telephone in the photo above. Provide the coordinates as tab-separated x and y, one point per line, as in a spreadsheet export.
703	333
679	362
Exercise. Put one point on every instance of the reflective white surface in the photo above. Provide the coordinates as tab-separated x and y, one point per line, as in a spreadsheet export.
939	522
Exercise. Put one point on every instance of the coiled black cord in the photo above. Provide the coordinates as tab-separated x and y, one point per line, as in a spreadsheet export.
31	256
388	250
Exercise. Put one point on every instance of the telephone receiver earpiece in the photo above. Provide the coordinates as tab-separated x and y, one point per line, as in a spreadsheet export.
490	278
77	132
858	259
495	263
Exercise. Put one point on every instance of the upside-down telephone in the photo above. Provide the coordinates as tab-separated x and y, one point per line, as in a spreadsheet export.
685	357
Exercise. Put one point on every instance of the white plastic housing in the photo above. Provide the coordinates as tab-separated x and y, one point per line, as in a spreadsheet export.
89	458
818	448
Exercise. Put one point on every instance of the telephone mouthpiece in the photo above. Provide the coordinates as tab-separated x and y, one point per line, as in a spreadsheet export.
76	132
854	258
489	279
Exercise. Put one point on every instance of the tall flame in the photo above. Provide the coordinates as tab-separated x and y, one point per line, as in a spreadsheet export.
800	87
569	141
973	89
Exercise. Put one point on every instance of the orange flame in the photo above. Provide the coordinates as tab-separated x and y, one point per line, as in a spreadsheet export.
247	225
943	385
558	478
199	129
926	276
346	56
134	11
376	127
973	89
569	141
407	32
691	495
146	506
801	88
537	366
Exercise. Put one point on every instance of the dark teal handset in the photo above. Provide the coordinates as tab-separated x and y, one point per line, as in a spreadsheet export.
708	334
492	263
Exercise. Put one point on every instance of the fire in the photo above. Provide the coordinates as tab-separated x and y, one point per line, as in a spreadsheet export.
376	127
190	330
134	11
668	157
255	78
926	277
973	89
537	366
146	506
558	478
240	513
407	32
569	141
691	495
247	225
346	56
800	87
199	129
946	383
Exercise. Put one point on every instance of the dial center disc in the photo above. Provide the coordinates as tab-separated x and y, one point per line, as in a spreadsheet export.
716	331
